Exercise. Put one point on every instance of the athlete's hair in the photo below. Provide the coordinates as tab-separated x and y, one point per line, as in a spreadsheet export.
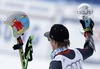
63	44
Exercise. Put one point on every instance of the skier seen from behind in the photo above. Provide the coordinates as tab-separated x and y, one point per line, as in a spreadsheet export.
62	56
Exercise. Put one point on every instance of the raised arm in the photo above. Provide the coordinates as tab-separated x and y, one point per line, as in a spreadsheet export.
89	46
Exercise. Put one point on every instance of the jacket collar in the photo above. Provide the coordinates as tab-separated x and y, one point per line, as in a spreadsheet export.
56	51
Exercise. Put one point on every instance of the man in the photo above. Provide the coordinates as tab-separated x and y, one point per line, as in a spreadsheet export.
62	56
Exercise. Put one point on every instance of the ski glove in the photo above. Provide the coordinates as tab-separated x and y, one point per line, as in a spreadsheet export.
87	25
